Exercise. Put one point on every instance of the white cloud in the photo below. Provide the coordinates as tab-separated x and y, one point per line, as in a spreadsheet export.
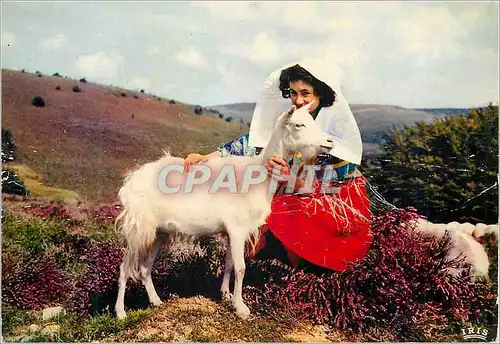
54	43
8	39
428	31
99	65
192	58
262	48
232	11
153	50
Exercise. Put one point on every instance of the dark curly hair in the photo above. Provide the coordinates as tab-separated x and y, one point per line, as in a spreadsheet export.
296	73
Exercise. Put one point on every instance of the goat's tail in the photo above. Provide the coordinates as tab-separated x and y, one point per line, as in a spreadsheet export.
136	229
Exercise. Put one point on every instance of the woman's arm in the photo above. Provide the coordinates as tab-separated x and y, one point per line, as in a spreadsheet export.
238	146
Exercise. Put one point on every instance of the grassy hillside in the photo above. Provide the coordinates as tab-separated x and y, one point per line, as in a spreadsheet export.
84	141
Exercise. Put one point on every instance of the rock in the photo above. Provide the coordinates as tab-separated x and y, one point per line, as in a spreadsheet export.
27	339
50	330
33	328
52	312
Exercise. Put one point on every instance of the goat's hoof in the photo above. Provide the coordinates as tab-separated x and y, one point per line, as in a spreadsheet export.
242	311
157	302
121	315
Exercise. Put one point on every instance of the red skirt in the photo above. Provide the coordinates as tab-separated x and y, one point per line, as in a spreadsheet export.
328	230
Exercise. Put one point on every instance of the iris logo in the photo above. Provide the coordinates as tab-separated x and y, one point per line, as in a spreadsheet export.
475	333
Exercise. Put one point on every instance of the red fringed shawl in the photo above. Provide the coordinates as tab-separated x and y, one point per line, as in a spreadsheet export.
328	230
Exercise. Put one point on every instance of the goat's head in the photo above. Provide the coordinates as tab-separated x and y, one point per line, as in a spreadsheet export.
301	134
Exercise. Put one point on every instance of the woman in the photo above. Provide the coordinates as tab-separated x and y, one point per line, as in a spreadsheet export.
328	230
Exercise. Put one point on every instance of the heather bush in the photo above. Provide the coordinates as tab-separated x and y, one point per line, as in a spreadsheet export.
38	101
34	284
105	214
76	89
51	211
198	109
171	101
83	80
96	287
58	88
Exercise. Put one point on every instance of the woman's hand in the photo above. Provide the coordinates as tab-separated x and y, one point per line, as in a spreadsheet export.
193	159
280	164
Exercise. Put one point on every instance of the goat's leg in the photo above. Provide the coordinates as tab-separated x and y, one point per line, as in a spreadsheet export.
237	244
146	267
122	285
228	268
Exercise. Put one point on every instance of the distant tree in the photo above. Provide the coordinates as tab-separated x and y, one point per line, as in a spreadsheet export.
83	80
56	74
23	70
8	147
171	101
38	101
229	119
221	115
142	91
76	89
11	184
198	110
442	168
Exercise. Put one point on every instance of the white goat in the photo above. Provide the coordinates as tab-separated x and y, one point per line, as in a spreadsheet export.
146	210
463	240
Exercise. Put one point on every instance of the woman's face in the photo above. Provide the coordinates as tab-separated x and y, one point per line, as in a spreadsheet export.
301	93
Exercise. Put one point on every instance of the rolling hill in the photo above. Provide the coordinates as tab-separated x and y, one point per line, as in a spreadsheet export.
85	141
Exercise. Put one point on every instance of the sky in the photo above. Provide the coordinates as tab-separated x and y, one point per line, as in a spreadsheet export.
409	54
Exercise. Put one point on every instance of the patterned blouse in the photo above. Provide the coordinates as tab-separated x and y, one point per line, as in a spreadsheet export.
331	168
